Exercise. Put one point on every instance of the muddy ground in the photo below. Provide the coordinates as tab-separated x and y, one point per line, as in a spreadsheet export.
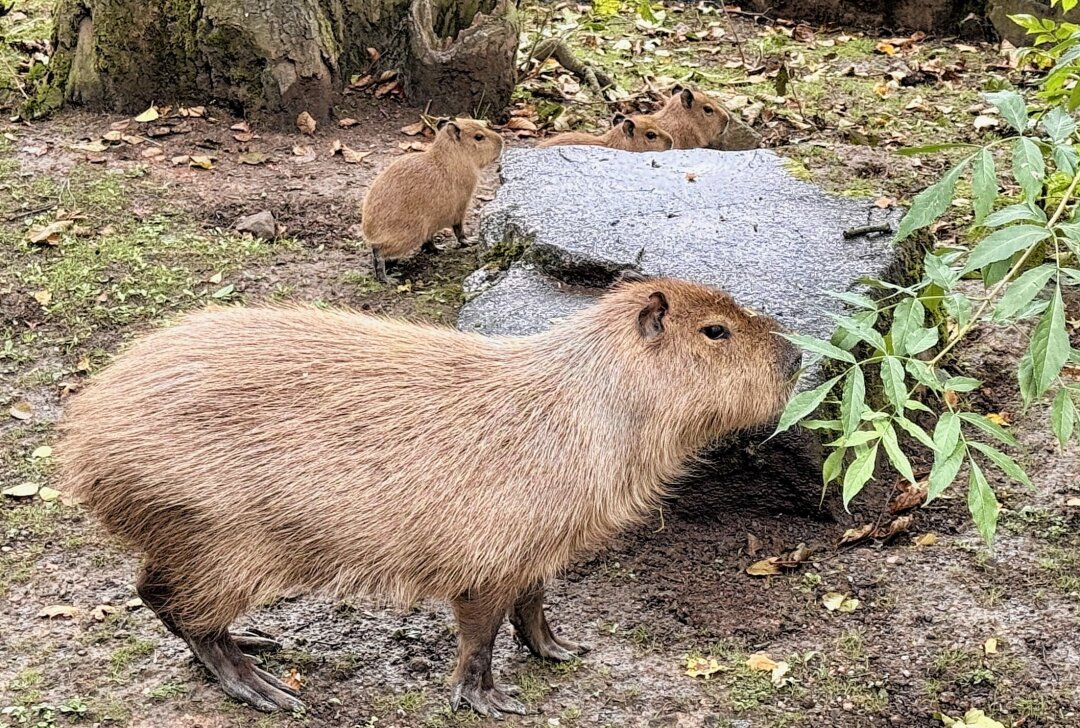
150	235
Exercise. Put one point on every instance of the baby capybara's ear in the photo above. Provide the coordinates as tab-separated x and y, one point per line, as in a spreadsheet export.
650	319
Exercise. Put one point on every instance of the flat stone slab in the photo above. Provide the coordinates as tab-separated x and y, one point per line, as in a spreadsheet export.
736	220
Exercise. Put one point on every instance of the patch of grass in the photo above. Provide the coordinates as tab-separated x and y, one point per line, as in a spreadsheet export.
534	688
363	282
121	659
167	690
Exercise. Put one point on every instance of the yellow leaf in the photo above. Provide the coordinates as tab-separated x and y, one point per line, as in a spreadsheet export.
48	494
42	452
21	410
59	610
702	666
305	123
926	539
778	673
43	297
201	162
990	646
885	47
149	115
22	490
765	567
837	602
101	611
761	661
951	398
998	418
216	278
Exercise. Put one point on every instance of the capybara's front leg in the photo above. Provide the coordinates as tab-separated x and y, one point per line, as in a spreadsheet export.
459	232
532	629
478	622
378	266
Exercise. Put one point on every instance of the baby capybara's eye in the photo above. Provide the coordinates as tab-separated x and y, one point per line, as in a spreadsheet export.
716	332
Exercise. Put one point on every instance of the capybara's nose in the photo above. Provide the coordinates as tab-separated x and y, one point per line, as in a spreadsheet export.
790	358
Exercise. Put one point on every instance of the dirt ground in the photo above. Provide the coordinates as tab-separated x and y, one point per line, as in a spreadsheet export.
941	623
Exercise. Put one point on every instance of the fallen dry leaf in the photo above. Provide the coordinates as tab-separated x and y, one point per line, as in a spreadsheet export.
193	111
120	125
43	297
151	114
952	398
48	494
837	602
884	202
50	234
152	152
347	122
305	123
21	410
352	156
412	146
1073	502
702	666
753	544
201	162
910	496
691	177
59	610
240	126
293	679
385	88
359	82
22	490
43	451
96	146
112	136
253	158
885	47
990	646
102	611
519	124
374	55
854	535
414	129
926	539
999	418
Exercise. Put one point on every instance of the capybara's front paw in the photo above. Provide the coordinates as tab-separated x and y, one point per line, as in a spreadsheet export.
489	702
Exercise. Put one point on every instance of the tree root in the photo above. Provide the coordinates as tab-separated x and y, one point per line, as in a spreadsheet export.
596	78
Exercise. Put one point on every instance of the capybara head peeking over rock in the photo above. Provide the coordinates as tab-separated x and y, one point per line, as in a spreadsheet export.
250	451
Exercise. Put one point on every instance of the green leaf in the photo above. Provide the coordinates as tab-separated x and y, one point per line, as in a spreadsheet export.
1049	345
860	330
907	318
863	320
961	384
1025	376
896	455
855	299
991	428
892	378
939	272
1029	23
914	404
1012	108
607	7
944	470
915	431
1015	213
1003	243
851	404
834	465
1058	124
1066	158
1063	416
859	437
1003	461
958	307
644	9
1021	291
984	185
860	471
818	346
223	292
821	425
946	432
803	404
929	204
982	502
923	374
1028	167
921	340
1068	5
931	148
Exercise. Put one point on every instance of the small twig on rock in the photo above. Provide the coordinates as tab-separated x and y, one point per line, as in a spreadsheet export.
866	230
555	48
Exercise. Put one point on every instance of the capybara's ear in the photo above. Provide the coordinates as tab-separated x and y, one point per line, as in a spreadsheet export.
443	121
687	97
676	89
617	119
628	127
454	130
650	320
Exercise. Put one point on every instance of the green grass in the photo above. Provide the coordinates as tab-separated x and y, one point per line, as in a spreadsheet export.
122	658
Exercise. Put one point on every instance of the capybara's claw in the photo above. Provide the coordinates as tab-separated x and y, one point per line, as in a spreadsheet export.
574	648
260	690
253	642
488	702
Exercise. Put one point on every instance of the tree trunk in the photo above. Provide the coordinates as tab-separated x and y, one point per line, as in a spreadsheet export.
282	56
930	16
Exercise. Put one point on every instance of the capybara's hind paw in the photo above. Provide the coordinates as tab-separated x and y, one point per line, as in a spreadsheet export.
255	642
262	691
488	702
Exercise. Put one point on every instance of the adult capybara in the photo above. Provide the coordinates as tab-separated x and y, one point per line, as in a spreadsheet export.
250	451
420	194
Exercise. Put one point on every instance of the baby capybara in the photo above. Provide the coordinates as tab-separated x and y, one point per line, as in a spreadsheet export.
692	118
420	194
628	133
246	452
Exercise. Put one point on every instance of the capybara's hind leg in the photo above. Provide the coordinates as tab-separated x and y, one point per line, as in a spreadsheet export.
532	629
218	651
478	622
378	265
238	675
255	642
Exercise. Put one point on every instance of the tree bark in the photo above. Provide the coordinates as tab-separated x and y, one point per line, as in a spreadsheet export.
281	57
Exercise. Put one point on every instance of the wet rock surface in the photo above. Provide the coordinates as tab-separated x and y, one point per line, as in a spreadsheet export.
736	220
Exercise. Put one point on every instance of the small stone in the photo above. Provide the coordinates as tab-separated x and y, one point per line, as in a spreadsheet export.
419	664
261	225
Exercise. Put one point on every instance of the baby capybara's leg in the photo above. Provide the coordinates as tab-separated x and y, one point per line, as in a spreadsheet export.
478	622
459	232
378	266
218	651
532	629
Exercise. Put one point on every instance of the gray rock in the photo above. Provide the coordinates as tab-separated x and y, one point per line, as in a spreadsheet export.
261	225
737	220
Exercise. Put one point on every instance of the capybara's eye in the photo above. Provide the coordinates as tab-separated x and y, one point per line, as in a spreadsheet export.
707	109
479	137
716	332
650	135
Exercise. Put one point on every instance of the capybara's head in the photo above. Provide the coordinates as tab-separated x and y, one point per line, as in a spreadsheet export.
700	110
471	137
641	134
723	366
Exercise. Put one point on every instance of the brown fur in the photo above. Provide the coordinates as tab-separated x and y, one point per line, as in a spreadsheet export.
630	133
250	451
692	118
420	194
